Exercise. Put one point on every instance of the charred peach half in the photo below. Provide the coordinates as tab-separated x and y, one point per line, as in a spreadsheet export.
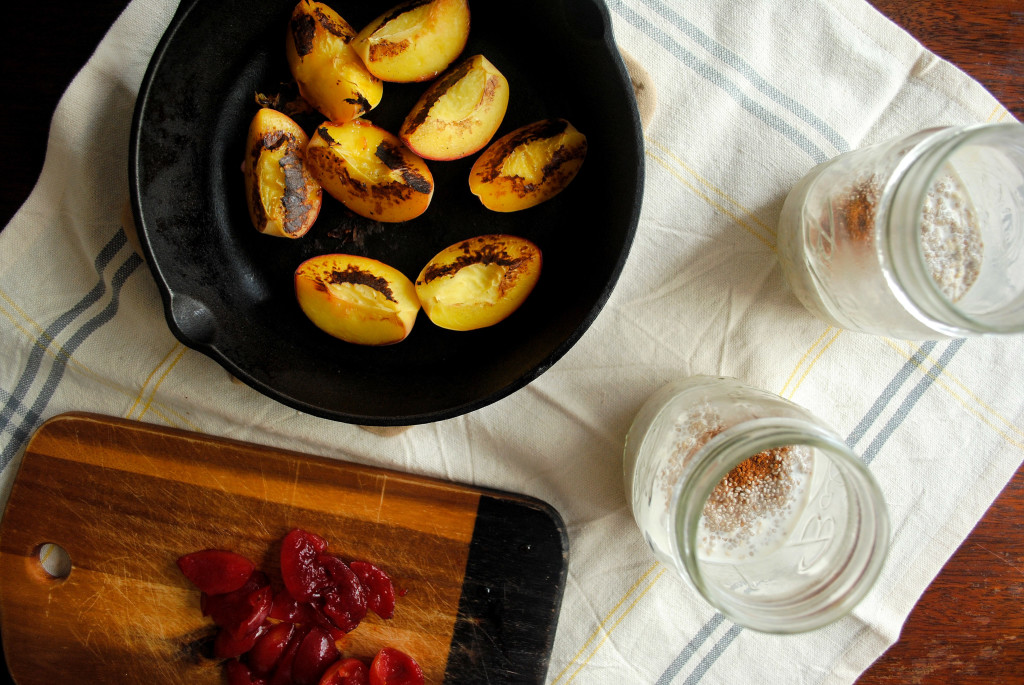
459	113
283	197
478	282
528	166
356	299
370	171
330	75
414	41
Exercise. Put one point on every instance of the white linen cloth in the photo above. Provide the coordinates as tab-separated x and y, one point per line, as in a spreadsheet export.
750	95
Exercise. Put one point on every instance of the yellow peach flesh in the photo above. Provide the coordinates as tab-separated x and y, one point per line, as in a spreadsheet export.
282	196
354	74
364	165
528	161
272	183
414	41
478	282
404	26
357	299
364	297
460	101
370	171
473	285
459	113
329	73
528	166
333	45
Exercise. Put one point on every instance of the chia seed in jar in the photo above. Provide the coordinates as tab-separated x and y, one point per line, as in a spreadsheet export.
752	509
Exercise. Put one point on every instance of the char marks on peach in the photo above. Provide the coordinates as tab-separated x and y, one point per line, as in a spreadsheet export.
483	253
394	160
296	209
303	32
341	30
360	277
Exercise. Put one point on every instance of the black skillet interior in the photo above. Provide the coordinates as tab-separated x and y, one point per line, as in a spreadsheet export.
228	290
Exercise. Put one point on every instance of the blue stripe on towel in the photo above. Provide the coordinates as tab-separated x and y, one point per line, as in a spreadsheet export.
916	361
716	77
14	401
911	399
713	655
736	62
677	664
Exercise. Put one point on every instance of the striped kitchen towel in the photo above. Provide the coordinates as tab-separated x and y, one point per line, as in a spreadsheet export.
749	94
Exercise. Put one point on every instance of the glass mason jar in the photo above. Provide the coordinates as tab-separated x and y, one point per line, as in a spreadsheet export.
916	238
755	503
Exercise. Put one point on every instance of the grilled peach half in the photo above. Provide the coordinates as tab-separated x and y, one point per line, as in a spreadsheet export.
414	41
283	197
528	166
356	299
330	75
459	113
370	171
478	282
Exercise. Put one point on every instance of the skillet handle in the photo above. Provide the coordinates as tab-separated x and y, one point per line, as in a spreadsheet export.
192	320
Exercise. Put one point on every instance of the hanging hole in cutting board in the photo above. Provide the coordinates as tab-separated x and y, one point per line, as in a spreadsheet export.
54	560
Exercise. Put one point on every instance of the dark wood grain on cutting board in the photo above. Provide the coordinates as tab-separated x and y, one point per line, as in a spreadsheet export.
127	499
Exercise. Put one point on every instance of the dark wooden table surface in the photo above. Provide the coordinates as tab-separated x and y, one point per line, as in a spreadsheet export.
969	625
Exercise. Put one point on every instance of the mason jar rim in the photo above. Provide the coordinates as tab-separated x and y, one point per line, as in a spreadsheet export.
901	202
713	461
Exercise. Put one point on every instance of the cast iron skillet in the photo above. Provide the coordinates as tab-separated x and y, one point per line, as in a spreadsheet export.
227	289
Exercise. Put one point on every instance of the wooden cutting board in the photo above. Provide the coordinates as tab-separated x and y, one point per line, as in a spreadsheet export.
482	571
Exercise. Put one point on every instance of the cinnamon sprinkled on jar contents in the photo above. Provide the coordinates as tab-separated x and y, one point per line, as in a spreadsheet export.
754	499
753	508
